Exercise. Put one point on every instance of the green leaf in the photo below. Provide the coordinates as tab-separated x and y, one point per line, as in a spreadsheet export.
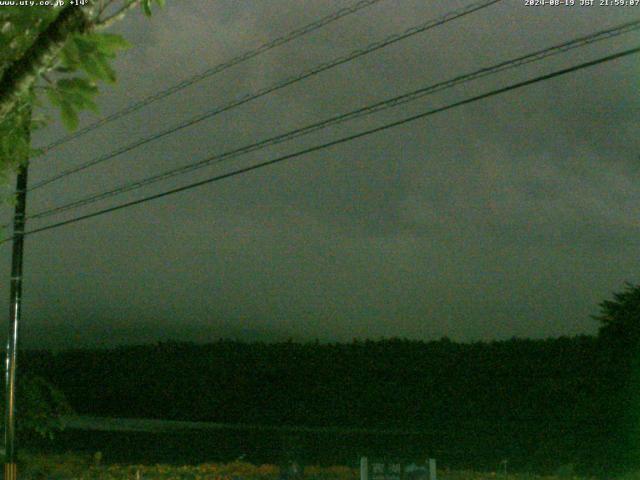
79	84
78	101
54	96
86	45
70	56
109	43
110	73
72	95
69	116
97	67
78	91
6	146
146	7
21	147
92	67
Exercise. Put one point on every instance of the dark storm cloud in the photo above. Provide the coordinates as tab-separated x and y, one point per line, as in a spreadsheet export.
512	216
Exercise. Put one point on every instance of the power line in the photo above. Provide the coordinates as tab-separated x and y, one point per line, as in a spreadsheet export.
339	141
277	86
343	12
367	110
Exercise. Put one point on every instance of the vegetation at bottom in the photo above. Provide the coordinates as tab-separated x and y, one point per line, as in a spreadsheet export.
69	466
540	404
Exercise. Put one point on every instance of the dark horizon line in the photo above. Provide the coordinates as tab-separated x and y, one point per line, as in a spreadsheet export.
292	341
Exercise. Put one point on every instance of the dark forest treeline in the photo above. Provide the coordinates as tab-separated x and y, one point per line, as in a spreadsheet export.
544	402
376	383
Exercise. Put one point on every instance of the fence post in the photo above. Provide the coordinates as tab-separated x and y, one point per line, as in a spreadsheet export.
432	469
364	468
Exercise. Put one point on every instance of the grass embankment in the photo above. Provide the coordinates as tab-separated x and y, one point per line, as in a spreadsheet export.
67	467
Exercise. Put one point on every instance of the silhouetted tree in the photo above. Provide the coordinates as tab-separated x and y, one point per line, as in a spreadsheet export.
620	317
39	406
619	364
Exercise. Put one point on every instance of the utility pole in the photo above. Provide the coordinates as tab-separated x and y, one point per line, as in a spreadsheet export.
15	311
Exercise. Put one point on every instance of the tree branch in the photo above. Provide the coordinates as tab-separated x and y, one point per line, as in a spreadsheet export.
106	22
104	5
23	73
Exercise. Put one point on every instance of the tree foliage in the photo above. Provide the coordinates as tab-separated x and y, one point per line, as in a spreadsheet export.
39	407
620	317
515	399
56	54
619	338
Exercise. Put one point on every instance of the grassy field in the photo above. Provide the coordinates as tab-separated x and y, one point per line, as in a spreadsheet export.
66	467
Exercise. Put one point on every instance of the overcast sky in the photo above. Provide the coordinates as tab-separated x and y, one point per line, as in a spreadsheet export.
514	216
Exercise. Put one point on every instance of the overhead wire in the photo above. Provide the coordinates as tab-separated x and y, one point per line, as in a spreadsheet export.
265	47
360	112
339	141
455	14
